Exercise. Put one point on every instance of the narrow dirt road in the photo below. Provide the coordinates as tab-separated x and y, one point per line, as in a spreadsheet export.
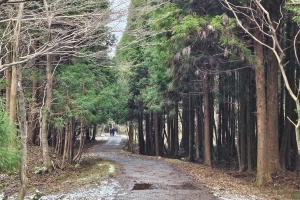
139	178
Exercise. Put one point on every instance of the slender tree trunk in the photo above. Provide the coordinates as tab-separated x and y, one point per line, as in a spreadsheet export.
32	122
95	130
148	135
72	137
176	129
23	131
87	134
13	95
15	58
242	124
297	117
185	126
141	134
169	136
81	143
191	128
152	133
65	151
160	133
263	174
250	125
130	135
8	82
212	123
199	132
219	138
156	134
47	107
22	108
207	147
45	117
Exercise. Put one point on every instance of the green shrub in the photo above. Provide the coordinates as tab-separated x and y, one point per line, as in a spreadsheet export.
9	144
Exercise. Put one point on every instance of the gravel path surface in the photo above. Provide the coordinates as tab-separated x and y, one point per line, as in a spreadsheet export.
142	178
139	178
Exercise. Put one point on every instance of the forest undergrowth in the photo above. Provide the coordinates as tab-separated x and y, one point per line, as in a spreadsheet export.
73	176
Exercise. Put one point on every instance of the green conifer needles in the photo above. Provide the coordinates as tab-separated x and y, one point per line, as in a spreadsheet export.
9	147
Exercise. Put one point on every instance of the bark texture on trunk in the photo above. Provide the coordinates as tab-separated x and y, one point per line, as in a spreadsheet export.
272	114
207	143
176	130
156	134
130	137
45	115
242	125
22	108
23	133
263	174
191	128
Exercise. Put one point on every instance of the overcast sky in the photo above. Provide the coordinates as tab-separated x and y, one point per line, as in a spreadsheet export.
120	12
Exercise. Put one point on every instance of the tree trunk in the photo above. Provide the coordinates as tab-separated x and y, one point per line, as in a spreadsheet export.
65	149
141	134
207	143
81	143
176	129
148	135
160	133
156	134
23	131
272	98
199	129
8	82
130	137
95	130
185	126
250	125
263	174
242	124
32	122
45	117
15	58
272	114
46	110
22	108
191	128
87	134
169	131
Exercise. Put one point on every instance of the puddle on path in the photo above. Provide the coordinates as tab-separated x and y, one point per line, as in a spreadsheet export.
148	186
142	186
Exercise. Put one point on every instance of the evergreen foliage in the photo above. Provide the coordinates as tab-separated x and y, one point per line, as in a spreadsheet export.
295	9
9	144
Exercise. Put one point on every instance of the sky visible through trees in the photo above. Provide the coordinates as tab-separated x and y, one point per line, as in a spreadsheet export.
119	24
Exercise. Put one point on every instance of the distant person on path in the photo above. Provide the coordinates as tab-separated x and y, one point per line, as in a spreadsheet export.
112	131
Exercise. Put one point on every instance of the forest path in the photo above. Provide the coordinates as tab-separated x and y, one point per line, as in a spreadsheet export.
145	178
138	178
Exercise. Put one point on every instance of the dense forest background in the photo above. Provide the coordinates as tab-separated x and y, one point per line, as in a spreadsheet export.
214	81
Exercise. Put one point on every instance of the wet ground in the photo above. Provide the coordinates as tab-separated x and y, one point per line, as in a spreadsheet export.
138	178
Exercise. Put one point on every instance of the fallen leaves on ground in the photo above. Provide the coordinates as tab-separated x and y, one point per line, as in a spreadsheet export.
240	185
